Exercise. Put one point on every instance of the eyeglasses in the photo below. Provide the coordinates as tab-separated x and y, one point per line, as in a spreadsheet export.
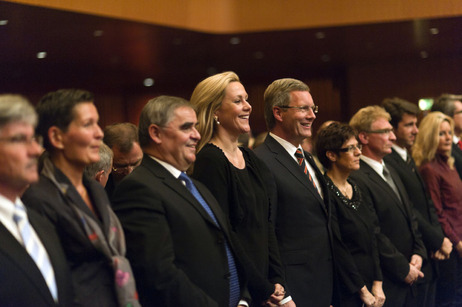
382	131
351	148
458	112
304	109
125	169
23	140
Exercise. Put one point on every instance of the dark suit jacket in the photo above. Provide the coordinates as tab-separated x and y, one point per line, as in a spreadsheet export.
22	283
303	228
457	154
176	250
92	273
399	237
424	210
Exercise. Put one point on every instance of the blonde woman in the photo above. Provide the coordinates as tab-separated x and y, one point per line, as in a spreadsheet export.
234	175
432	154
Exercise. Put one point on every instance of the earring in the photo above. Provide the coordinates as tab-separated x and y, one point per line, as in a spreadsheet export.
216	119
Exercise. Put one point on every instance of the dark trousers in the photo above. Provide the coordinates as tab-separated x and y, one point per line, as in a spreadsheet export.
449	283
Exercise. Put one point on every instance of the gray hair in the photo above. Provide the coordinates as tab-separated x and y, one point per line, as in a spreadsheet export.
16	108
104	163
158	111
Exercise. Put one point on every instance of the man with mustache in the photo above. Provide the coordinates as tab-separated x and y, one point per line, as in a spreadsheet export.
399	241
404	120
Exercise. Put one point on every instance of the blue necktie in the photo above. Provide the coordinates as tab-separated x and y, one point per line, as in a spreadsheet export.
35	249
234	289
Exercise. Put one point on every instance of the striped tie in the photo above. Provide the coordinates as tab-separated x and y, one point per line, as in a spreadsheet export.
301	161
35	249
234	288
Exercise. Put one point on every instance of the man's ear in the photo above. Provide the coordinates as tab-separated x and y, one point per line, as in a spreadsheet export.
331	156
363	138
277	113
55	135
155	133
99	175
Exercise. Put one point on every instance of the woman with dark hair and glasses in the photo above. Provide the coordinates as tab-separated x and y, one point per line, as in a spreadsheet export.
338	150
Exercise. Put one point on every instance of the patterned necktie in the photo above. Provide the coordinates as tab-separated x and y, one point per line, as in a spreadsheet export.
234	288
301	161
390	181
35	249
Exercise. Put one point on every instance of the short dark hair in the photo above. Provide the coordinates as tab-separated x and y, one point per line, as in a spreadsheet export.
331	138
396	107
57	109
445	104
158	111
122	135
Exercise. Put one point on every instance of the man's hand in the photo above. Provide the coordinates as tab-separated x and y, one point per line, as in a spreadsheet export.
459	248
446	248
367	297
413	275
378	293
416	261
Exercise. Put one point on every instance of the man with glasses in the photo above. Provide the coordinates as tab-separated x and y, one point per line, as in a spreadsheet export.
33	268
122	139
399	241
451	105
404	121
302	215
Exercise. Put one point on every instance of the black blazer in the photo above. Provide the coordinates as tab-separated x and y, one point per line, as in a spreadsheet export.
176	250
303	227
92	273
22	283
399	237
424	210
457	154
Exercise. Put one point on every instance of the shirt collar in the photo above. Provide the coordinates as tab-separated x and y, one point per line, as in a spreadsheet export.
402	152
376	166
173	170
291	149
455	139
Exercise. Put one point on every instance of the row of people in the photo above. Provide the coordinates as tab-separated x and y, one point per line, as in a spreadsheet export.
268	227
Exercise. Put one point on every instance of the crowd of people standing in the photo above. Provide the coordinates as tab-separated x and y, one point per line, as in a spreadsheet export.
175	212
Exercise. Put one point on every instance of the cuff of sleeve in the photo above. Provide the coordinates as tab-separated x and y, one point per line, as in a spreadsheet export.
285	300
243	303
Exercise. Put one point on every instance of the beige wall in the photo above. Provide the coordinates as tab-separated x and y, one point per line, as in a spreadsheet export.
232	16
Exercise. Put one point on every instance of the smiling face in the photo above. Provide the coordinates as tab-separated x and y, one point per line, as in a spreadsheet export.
406	131
18	159
235	110
80	143
296	123
178	139
445	138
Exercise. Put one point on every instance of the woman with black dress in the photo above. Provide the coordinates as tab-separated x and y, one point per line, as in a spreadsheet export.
339	152
235	176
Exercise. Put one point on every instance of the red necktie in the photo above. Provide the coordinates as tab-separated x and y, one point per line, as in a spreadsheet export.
460	144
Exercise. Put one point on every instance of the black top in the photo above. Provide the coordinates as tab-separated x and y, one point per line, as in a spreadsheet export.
244	198
357	231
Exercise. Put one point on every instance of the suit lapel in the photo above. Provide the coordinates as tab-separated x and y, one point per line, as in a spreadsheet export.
287	162
176	185
373	176
18	255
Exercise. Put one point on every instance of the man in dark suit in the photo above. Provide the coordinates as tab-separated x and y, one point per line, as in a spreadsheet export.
451	105
404	121
178	240
302	217
122	139
33	268
399	241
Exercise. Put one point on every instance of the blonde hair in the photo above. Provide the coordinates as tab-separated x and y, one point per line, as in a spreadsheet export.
426	143
207	98
363	119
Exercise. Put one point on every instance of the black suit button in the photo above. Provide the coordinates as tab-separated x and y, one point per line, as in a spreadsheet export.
228	276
